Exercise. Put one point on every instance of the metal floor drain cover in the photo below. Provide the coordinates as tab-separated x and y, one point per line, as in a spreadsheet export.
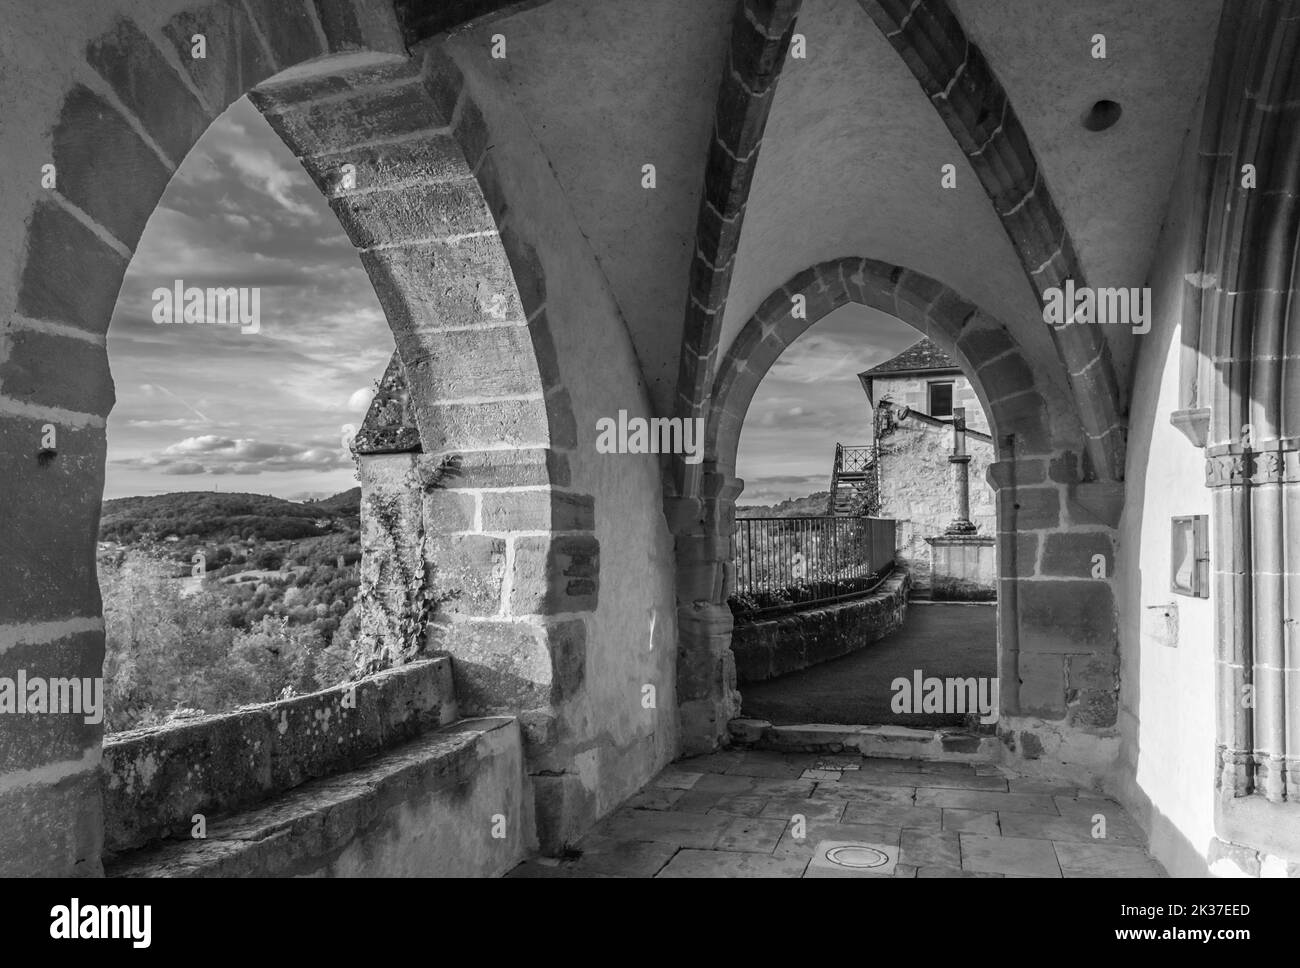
858	857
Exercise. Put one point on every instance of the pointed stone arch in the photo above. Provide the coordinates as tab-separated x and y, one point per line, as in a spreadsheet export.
465	298
1057	658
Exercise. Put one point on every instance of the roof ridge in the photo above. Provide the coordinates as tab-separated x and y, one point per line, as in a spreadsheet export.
920	356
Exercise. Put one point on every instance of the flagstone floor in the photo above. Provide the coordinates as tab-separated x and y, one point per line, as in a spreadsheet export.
741	814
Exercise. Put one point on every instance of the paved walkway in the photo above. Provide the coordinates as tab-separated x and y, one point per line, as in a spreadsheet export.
740	814
944	639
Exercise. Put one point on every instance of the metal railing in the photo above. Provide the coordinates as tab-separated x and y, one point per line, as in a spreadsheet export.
856	458
806	560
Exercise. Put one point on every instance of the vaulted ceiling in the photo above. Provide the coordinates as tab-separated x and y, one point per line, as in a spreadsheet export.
851	158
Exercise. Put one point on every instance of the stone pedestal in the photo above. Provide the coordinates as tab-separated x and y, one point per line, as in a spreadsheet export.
963	568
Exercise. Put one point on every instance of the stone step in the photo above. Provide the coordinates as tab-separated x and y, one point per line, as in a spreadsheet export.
951	744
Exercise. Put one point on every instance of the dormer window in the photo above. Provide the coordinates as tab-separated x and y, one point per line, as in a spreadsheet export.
941	399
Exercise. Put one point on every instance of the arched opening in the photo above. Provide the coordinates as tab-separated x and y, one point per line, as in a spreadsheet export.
244	345
983	348
1056	664
384	136
876	575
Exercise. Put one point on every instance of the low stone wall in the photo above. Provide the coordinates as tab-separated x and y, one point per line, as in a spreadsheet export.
455	802
772	647
157	779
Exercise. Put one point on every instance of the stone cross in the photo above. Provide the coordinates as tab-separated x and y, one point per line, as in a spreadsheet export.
961	461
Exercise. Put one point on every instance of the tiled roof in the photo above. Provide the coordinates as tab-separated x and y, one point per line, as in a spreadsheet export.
920	357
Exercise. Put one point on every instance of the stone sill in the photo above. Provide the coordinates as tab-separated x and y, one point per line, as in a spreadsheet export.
356	823
951	744
155	780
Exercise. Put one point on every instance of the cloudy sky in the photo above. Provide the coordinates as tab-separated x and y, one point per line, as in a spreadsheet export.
205	406
810	400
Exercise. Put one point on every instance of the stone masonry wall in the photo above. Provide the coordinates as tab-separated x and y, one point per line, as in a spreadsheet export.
918	489
771	647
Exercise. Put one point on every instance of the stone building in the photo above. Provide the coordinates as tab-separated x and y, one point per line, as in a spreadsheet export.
915	479
576	208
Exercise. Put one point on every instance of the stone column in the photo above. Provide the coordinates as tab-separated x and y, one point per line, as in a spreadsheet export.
961	464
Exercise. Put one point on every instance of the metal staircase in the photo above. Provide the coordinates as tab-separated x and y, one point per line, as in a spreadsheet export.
854	485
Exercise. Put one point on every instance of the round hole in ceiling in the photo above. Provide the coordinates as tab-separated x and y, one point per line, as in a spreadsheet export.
1102	115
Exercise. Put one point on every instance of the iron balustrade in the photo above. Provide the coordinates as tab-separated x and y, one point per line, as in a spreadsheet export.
809	560
857	458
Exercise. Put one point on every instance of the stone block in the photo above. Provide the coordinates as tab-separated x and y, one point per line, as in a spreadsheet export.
1029	508
105	168
316	128
1012	474
71	276
472	426
564	810
469	567
52	829
149	88
49	519
1065	468
432	159
56	371
524	467
466	365
1061	616
413	213
338	19
1095	708
1042	685
1070	554
544	352
66	671
561	424
1096	503
442	82
1006	376
498	666
529	274
1025	418
235	62
447	511
444	284
568	645
541	510
553	575
288	30
981	343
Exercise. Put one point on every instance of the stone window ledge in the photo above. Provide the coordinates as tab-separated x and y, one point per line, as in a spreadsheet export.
155	780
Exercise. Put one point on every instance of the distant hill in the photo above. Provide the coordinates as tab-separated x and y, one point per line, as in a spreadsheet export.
348	503
813	504
217	516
